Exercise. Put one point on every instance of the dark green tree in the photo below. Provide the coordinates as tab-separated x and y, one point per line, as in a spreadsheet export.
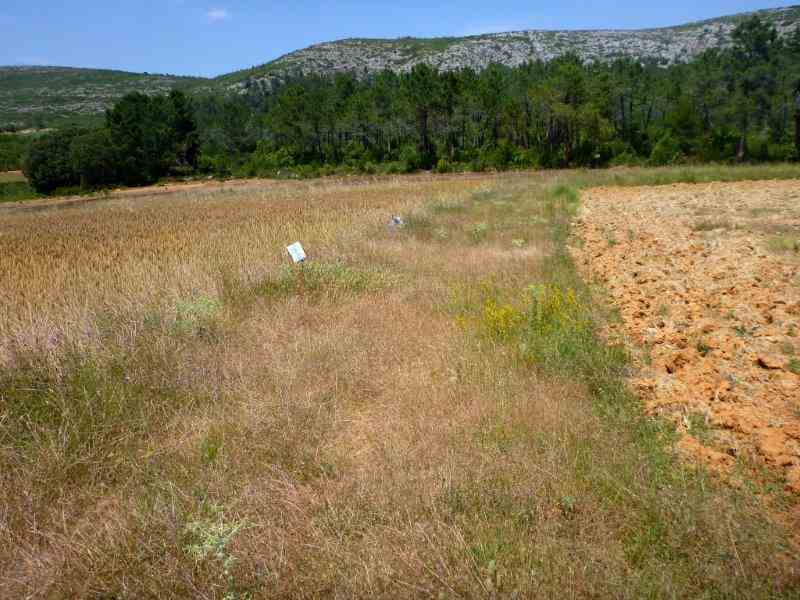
141	129
93	158
422	90
48	165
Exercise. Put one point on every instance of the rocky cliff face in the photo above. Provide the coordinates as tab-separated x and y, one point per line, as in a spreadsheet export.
363	56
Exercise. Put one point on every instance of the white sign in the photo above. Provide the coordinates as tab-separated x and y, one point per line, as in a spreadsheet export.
296	252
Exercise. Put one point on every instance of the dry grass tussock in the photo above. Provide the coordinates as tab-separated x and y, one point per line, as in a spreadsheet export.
183	415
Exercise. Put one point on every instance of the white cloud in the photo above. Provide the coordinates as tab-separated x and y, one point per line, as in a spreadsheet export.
215	15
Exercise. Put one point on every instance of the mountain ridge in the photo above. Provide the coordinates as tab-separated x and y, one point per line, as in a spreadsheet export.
55	95
663	45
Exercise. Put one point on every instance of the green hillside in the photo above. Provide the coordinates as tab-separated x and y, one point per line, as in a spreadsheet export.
54	96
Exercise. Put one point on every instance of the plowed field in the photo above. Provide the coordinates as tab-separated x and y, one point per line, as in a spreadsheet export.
707	282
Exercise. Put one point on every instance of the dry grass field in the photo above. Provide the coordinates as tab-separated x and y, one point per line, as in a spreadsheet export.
417	412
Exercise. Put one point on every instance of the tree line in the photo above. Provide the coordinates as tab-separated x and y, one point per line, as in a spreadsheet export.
144	138
736	103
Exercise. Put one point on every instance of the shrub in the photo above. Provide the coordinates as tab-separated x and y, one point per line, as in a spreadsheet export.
500	322
626	159
666	151
557	326
411	158
499	156
757	147
525	159
357	154
444	166
782	152
393	168
302	172
622	154
477	165
721	144
215	164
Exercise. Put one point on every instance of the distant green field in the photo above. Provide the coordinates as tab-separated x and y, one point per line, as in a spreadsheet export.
14	187
15	191
11	177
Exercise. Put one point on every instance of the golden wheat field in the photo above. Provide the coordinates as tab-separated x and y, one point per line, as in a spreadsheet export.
417	411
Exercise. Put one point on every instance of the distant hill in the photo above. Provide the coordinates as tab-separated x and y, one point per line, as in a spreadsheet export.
39	96
363	56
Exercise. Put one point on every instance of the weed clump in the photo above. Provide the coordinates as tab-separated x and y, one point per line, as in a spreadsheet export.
558	333
197	316
479	231
209	540
316	279
784	243
500	322
794	366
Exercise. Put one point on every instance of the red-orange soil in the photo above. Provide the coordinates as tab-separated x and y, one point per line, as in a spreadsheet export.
707	281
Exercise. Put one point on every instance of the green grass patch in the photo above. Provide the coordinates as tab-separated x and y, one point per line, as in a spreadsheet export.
12	177
320	279
784	243
794	366
16	191
198	316
479	231
89	410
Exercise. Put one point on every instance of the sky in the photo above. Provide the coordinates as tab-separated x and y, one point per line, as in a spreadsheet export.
194	37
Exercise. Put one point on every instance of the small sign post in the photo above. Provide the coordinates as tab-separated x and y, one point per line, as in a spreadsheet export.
296	253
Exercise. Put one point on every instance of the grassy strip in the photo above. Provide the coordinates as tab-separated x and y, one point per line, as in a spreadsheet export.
682	531
685	174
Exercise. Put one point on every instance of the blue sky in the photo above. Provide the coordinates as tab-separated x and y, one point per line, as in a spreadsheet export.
191	37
